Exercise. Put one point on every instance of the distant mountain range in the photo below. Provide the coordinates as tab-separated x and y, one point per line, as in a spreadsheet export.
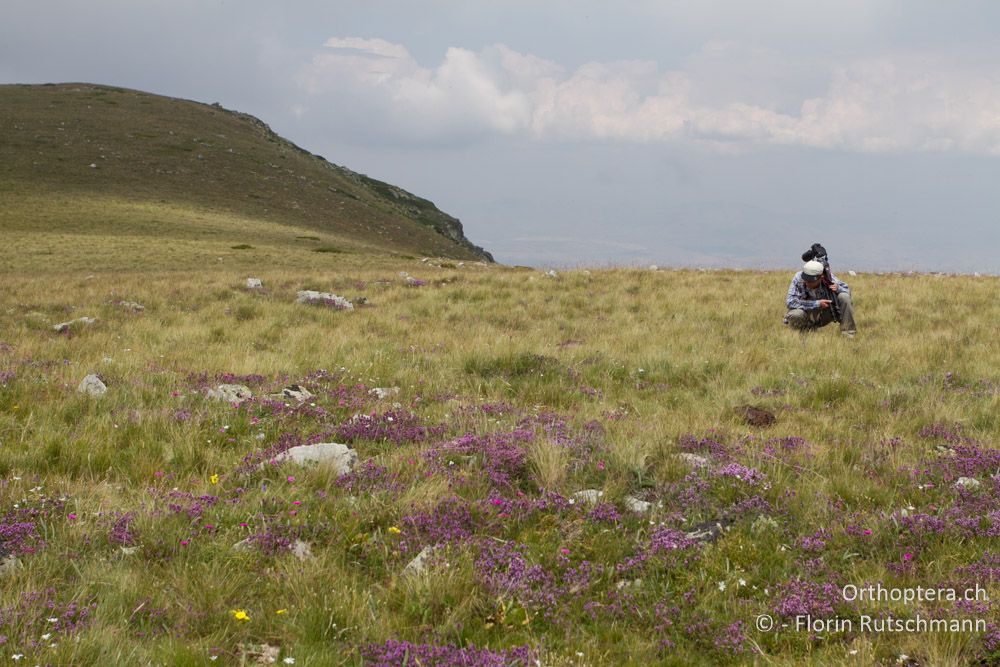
83	142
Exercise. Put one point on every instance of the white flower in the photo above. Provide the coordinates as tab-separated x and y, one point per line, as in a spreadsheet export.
743	582
722	585
46	636
53	620
17	656
289	661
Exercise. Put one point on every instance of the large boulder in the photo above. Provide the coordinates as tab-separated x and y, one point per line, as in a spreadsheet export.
230	393
324	298
341	457
63	327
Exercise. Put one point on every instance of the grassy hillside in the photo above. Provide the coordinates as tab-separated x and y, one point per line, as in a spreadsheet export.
515	392
79	161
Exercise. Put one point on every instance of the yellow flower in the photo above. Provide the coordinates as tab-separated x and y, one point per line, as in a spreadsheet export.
394	530
214	479
281	611
240	615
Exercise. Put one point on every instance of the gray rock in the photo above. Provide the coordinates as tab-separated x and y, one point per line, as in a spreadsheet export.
419	564
9	564
382	393
968	483
244	546
709	531
590	496
296	392
638	506
92	386
311	296
302	550
341	457
254	283
694	460
66	326
130	305
230	393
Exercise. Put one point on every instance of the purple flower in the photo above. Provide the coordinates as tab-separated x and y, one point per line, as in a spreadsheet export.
394	653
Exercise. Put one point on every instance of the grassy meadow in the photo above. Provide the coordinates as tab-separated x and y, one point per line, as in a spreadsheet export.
516	390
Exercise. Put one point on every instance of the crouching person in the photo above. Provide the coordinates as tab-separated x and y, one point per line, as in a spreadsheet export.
810	300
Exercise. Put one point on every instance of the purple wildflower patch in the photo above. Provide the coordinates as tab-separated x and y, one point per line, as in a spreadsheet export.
503	569
394	653
501	456
751	476
450	521
801	598
395	426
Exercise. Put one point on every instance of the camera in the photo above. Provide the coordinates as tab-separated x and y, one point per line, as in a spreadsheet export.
817	252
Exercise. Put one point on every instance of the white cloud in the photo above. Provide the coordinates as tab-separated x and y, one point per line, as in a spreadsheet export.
726	95
375	47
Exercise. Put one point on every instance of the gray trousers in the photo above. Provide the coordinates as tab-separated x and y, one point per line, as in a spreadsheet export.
820	317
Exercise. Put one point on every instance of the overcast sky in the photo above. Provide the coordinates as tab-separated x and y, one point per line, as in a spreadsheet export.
570	133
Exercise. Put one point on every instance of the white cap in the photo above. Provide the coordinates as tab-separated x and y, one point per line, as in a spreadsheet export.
813	268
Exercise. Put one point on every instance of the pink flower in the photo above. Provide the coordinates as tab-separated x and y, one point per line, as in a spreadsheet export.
296	502
158	473
497	501
175	393
907	556
291	479
564	551
600	465
184	543
293	513
71	516
867	531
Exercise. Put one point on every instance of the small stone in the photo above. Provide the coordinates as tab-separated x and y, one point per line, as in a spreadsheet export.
968	483
709	531
9	564
301	550
254	283
588	496
230	393
296	392
92	386
244	546
755	416
693	460
382	393
419	564
638	506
